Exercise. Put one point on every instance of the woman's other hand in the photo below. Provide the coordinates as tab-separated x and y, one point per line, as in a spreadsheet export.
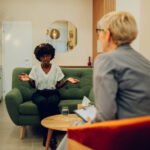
73	80
24	77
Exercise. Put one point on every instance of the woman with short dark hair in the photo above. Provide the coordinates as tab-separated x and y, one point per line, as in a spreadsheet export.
46	78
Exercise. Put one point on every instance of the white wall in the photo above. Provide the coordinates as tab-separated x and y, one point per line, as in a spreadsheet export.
132	6
0	42
145	28
140	10
41	13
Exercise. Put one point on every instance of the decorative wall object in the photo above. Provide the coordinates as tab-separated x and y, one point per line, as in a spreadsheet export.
54	34
62	34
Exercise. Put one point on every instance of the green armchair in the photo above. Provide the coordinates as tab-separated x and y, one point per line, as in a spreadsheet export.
23	111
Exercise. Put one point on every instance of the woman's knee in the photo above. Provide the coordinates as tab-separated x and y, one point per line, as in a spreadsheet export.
38	99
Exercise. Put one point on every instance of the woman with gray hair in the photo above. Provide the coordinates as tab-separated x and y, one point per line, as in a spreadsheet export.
121	74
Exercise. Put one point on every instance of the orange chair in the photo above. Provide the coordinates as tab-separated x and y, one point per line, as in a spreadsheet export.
125	134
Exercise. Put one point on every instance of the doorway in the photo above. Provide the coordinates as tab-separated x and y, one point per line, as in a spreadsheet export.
16	49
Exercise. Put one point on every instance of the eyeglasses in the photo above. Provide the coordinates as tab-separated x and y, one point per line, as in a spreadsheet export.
98	30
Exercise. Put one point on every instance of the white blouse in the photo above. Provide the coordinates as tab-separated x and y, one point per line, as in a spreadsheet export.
46	81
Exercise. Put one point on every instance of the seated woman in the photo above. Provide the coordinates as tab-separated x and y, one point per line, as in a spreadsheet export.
46	78
121	75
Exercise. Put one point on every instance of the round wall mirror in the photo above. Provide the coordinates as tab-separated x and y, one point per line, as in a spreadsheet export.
62	35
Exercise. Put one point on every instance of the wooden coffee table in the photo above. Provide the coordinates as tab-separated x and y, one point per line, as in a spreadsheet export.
58	122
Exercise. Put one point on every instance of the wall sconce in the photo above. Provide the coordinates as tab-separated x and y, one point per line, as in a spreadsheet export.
54	34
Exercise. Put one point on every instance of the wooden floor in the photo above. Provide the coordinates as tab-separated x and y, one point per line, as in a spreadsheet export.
9	134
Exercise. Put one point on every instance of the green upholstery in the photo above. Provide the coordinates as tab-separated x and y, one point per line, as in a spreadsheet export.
23	111
91	96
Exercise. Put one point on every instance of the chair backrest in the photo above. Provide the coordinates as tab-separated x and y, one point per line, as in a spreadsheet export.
77	91
125	134
69	91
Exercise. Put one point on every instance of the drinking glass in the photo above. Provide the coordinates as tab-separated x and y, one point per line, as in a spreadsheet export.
65	110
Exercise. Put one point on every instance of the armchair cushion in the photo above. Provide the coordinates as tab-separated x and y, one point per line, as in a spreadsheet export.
28	108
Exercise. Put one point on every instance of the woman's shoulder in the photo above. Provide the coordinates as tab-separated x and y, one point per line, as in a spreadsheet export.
111	56
56	66
36	67
108	60
103	57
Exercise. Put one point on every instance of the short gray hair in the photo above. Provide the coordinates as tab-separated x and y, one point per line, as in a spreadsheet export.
121	25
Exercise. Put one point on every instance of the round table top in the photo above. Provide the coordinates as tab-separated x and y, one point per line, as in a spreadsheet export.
60	122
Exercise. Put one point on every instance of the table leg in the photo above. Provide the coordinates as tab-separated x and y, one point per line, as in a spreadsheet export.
49	135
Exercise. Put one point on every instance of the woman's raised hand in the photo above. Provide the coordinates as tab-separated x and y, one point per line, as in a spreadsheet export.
73	80
24	77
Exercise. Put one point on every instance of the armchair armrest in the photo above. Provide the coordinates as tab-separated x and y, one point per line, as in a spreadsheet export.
124	134
74	145
13	99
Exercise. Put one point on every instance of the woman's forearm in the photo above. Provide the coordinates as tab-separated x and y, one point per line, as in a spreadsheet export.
61	83
32	83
